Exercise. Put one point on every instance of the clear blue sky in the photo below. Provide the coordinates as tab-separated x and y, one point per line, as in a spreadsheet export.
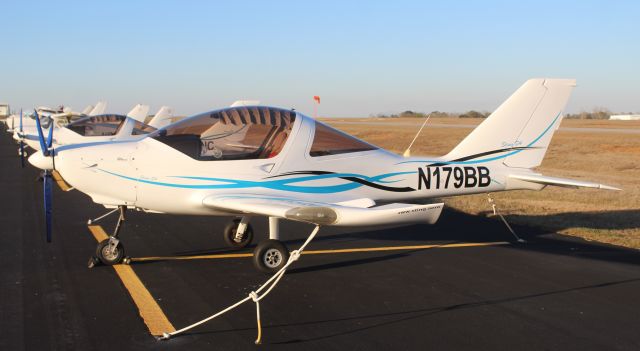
362	58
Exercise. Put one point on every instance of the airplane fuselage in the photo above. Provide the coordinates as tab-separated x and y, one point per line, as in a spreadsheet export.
151	175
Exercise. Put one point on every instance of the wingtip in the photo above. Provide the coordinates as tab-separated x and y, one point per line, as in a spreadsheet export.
607	187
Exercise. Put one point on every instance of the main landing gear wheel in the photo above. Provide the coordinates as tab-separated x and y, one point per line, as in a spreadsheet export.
270	255
110	253
230	235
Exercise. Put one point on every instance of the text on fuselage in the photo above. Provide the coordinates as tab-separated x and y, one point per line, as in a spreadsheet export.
453	177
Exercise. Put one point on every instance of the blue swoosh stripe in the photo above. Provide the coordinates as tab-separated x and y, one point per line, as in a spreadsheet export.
280	184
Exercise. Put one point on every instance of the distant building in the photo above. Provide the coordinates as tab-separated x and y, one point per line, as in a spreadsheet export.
4	111
625	117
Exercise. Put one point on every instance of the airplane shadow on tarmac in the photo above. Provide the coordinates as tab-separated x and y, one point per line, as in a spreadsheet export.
455	226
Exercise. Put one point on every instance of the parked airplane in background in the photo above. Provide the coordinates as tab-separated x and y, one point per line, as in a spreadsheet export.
252	161
28	119
68	116
60	118
102	127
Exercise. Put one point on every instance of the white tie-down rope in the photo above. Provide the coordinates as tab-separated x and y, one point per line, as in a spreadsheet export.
497	213
254	295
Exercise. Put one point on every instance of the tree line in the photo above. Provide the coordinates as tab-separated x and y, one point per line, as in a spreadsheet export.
596	113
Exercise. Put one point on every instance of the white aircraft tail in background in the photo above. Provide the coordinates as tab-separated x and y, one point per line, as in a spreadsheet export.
99	109
87	110
245	103
162	118
139	112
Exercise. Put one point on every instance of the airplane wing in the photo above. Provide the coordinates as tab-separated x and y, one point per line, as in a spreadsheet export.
562	182
335	214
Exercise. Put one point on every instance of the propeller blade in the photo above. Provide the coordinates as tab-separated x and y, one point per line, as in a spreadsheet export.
50	136
21	141
43	145
48	183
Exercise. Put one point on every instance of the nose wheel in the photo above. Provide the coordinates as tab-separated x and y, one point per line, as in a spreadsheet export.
270	255
110	251
238	234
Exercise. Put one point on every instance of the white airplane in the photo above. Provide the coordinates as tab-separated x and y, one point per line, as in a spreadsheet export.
28	119
68	115
253	161
98	128
27	124
18	124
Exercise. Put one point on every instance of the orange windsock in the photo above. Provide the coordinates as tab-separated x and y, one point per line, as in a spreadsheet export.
316	98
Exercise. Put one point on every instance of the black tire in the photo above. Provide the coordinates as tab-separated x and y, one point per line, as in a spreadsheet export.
270	255
230	234
114	258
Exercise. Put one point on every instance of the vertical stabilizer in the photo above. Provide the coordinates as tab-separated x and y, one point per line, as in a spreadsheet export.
99	109
519	131
87	110
162	117
139	112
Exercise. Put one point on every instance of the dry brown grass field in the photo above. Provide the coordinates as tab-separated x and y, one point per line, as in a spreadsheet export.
610	158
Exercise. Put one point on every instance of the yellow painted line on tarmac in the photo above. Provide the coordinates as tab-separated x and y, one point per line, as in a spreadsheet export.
400	248
98	232
60	181
150	311
195	257
323	252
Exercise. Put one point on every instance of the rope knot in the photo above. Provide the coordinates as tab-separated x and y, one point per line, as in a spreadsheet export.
295	255
254	296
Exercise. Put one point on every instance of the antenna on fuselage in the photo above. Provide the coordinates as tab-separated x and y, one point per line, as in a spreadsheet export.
407	152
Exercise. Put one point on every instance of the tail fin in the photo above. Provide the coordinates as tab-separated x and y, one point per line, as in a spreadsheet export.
520	130
162	117
245	103
139	112
99	109
87	110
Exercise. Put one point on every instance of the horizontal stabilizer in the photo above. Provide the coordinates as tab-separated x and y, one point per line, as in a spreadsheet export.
562	182
325	213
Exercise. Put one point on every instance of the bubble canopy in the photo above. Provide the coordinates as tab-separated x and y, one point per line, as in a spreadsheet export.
238	133
250	132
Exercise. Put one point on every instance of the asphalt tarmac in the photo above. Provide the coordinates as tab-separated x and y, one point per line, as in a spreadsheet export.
553	293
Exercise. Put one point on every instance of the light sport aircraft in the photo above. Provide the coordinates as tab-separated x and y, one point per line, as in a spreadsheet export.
251	161
68	115
99	128
58	117
28	120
